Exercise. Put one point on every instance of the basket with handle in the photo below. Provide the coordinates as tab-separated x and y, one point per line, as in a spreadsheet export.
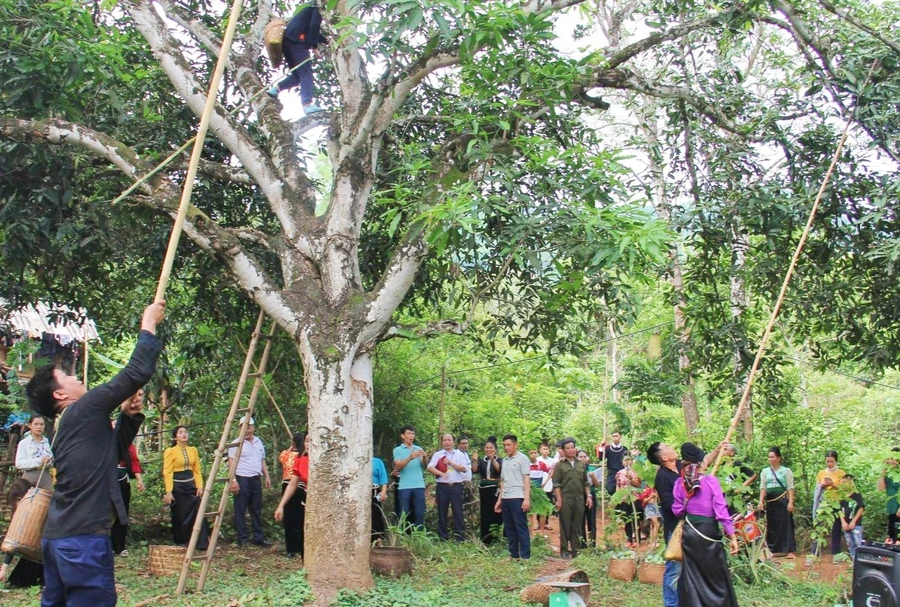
540	592
27	525
273	36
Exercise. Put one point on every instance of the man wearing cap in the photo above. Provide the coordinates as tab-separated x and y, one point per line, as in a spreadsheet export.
247	485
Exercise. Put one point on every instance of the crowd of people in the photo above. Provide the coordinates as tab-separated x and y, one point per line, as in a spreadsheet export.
682	489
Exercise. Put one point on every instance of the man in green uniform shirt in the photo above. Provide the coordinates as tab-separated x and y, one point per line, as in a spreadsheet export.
573	493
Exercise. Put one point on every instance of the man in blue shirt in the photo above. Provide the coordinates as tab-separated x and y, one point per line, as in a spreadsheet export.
409	460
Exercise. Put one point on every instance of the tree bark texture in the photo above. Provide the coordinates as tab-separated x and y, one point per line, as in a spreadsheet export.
338	505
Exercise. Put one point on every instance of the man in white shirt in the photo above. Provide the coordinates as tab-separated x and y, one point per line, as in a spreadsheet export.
247	486
451	467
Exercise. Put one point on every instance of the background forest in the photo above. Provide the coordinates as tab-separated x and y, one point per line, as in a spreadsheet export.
563	216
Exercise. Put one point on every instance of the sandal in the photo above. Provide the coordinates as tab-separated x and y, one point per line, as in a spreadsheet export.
791	555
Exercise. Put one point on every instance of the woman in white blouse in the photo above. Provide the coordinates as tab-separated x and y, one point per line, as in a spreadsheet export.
33	453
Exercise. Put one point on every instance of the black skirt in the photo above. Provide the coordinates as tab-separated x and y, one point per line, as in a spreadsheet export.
26	574
487	494
779	526
184	511
294	520
705	579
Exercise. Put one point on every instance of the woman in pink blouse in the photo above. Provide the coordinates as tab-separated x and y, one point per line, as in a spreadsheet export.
705	579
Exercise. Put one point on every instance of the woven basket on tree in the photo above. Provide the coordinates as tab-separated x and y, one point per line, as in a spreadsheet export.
27	525
166	560
651	573
273	35
622	569
540	592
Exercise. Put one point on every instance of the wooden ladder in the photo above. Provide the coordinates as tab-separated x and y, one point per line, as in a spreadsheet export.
222	453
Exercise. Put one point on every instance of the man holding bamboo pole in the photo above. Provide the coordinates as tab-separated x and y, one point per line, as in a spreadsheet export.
76	545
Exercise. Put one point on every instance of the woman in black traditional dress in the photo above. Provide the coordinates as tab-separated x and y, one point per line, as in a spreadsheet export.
489	471
26	573
705	578
776	497
184	486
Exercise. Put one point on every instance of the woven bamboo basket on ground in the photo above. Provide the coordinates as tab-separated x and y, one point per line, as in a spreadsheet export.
166	560
651	573
273	35
622	569
27	525
540	592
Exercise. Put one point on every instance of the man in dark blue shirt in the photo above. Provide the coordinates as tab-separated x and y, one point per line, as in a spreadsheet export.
76	545
302	35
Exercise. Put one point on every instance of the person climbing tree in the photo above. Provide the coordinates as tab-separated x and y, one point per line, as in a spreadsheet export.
302	36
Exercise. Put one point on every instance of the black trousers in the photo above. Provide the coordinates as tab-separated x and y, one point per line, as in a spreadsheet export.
590	522
892	522
631	514
450	495
249	497
377	517
119	531
294	518
780	526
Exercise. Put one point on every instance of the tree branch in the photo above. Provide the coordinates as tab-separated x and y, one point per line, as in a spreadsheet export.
165	48
431	329
395	282
164	196
220	171
673	33
60	132
252	235
843	14
441	57
625	79
194	27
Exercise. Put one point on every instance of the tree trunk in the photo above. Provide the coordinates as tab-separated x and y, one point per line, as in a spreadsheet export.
647	117
740	300
338	511
612	358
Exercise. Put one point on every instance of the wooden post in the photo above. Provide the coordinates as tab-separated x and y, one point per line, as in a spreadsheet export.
603	481
163	407
443	400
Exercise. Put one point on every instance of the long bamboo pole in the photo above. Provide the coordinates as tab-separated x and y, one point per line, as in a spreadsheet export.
745	396
199	140
603	476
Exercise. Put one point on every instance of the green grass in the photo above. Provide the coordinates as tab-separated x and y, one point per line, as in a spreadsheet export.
452	576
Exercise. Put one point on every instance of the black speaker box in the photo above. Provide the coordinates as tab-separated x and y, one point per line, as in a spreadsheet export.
876	575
